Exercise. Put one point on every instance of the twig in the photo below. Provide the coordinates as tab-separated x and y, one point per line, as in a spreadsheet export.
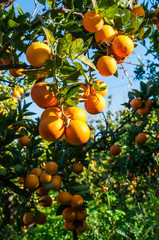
6	3
127	75
36	6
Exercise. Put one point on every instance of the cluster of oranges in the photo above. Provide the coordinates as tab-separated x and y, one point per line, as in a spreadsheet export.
143	107
17	92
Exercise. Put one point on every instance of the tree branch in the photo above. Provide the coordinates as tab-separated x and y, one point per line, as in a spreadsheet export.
6	3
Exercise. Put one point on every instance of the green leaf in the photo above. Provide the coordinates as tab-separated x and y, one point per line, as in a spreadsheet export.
82	71
72	90
12	24
4	96
75	48
51	3
42	2
20	10
49	36
86	45
80	187
87	62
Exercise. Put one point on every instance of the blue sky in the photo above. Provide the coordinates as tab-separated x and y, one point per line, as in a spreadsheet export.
117	87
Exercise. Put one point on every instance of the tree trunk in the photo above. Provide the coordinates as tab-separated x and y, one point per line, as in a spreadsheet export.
75	237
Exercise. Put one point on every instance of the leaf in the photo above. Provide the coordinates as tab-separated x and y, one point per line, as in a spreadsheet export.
82	71
73	89
4	96
42	2
86	45
51	3
49	36
60	209
87	61
75	48
80	187
20	10
12	24
143	87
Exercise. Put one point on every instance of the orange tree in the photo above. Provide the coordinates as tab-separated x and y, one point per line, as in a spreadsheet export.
52	150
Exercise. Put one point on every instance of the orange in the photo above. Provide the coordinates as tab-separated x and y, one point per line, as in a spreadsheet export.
82	228
76	201
69	225
145	110
77	167
105	34
100	84
43	97
40	218
45	178
16	94
7	60
106	66
115	150
43	191
92	21
77	132
15	72
37	172
51	128
20	90
95	103
51	167
69	214
141	138
149	103
76	113
45	201
64	198
37	53
57	183
42	75
138	11
136	103
122	46
23	141
51	111
28	218
86	90
31	181
81	214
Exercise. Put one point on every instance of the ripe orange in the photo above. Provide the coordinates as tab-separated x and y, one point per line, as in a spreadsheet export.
76	201
136	103
43	97
138	11
149	103
37	53
43	191
81	214
145	110
31	181
95	103
100	84
106	66
40	218
51	111
51	128
141	138
6	60
21	90
16	94
77	132
76	113
69	225
45	201
69	214
64	198
51	167
122	46
15	72
23	141
45	178
82	228
28	218
77	167
86	90
37	172
105	34
57	183
93	21
115	150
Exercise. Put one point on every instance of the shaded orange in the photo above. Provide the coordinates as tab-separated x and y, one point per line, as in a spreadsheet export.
45	178
69	214
77	167
28	218
31	181
136	103
86	90
69	225
23	141
92	21
106	66
138	10
106	34
51	111
141	138
46	201
100	84
40	218
16	72
115	150
64	198
81	214
57	183
37	172
76	201
76	113
51	167
43	191
95	103
82	228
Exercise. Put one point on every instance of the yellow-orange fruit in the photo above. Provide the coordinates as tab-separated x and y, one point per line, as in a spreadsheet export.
100	84
122	46
51	167
45	178
136	103
40	218
77	132
64	198
76	113
37	172
86	91
37	53
45	201
95	103
92	21
77	167
15	72
69	225
149	103
115	150
57	183
23	141
138	10
105	34
21	90
43	191
141	138
106	66
81	214
51	128
31	181
16	94
145	110
50	112
82	228
69	214
76	201
43	97
28	218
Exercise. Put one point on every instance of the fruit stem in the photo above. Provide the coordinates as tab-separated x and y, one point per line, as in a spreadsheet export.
75	237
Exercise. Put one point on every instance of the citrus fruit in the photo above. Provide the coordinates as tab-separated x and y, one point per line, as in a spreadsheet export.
76	113
20	90
57	183
37	172
100	84
92	21
81	214
105	34
31	181
95	103
45	201
51	167
86	91
45	178
16	72
77	167
69	225
115	150
107	66
122	46
138	10
40	218
23	141
64	198
144	111
82	228
76	201
69	214
141	138
28	218
43	191
136	103
16	94
51	111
